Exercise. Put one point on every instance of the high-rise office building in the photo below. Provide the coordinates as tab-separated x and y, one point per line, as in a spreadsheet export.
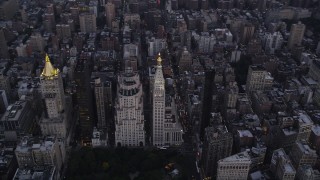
225	4
272	42
258	79
158	105
296	34
110	11
117	3
207	101
231	95
192	4
5	85
185	60
88	22
254	46
84	97
37	42
305	125
133	20
318	49
18	118
49	21
246	32
57	113
21	50
217	145
172	132
52	89
206	42
302	154
103	99
3	101
74	10
8	9
63	30
281	165
3	46
33	152
93	7
155	46
307	172
130	50
204	4
129	116
234	167
50	8
40	173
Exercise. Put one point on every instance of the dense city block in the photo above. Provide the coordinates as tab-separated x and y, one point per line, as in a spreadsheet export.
160	89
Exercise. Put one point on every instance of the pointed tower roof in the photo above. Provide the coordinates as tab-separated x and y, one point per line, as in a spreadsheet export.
158	78
159	60
49	70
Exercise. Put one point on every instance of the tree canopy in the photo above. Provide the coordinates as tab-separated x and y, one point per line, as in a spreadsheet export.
119	163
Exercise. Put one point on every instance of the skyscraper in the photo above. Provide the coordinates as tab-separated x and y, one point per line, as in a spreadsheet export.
56	119
296	34
246	33
33	152
281	166
217	145
52	89
129	117
272	42
3	46
103	100
84	97
234	167
63	30
17	120
207	101
5	85
37	42
8	9
185	60
302	154
158	105
110	13
3	101
258	79
88	22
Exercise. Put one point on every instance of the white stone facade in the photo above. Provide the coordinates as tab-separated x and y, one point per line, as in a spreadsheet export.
129	117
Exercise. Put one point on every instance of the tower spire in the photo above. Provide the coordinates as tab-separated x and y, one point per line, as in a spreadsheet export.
47	58
49	70
159	60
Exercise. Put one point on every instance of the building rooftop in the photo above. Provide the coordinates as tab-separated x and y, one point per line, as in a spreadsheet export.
257	68
47	173
13	112
29	143
286	163
259	175
309	80
213	133
289	131
237	158
244	133
316	130
304	119
309	172
305	148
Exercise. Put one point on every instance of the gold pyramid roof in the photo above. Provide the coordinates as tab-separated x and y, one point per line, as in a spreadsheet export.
49	70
